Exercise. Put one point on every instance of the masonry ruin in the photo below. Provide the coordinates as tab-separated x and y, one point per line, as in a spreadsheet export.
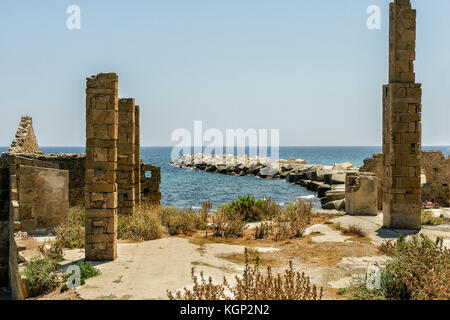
402	129
37	189
361	197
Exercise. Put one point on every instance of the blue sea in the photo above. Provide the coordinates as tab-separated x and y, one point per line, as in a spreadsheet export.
184	188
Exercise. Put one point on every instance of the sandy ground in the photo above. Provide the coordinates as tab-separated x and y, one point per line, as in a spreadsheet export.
148	269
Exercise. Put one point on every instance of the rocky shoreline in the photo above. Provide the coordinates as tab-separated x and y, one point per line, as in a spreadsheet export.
327	181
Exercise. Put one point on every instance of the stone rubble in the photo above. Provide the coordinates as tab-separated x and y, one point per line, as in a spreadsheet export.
327	181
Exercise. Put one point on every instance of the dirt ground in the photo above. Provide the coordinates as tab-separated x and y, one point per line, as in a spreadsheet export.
327	255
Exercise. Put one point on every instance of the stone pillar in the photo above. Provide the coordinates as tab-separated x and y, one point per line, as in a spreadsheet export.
402	124
137	157
361	196
101	166
126	157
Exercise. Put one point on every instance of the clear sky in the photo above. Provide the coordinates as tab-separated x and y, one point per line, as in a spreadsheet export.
309	68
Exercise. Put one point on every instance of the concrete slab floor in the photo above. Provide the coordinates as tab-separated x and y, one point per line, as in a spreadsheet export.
146	270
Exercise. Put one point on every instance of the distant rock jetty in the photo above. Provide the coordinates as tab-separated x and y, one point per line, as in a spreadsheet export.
327	181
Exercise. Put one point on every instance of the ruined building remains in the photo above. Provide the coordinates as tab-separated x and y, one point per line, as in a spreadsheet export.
37	189
402	164
102	131
402	129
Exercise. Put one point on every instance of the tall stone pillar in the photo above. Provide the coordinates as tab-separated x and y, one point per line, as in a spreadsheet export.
137	150
402	124
101	165
126	157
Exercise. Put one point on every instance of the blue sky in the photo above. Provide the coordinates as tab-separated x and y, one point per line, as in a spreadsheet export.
309	68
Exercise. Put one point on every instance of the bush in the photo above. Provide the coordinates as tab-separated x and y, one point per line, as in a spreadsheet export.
287	224
247	207
144	224
429	219
419	269
228	224
87	270
179	221
71	234
41	276
252	285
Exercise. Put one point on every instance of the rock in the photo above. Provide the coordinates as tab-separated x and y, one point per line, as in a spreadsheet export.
268	172
335	205
322	190
294	178
342	166
337	178
29	255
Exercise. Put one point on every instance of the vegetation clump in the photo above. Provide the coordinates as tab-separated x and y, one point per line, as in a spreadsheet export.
87	270
417	269
252	285
41	276
144	224
71	234
429	219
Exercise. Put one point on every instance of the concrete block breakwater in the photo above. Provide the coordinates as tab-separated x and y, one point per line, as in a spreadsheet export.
328	181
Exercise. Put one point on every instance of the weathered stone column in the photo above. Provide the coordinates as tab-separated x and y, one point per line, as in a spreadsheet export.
137	157
101	165
402	124
126	153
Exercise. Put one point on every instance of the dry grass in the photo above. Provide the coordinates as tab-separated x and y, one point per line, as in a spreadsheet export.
228	224
144	224
252	285
287	224
353	230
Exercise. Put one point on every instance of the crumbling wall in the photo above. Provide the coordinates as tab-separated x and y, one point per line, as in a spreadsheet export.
402	129
150	185
437	171
74	163
137	154
361	196
126	157
43	197
25	140
375	165
4	230
101	166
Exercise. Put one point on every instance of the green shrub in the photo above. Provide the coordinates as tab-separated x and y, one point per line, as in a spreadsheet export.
247	207
87	270
429	219
41	276
144	224
418	269
71	234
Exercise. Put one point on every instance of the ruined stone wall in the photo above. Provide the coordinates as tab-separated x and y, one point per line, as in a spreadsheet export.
43	197
25	140
402	124
101	166
126	157
150	185
137	155
75	164
361	195
375	165
437	171
4	230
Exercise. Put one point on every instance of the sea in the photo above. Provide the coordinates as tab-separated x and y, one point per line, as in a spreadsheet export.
184	188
